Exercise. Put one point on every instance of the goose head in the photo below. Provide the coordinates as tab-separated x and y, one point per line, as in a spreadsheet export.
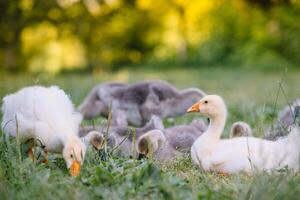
240	129
74	153
96	139
212	106
150	142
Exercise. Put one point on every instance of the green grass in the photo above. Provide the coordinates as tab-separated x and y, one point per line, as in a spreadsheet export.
250	95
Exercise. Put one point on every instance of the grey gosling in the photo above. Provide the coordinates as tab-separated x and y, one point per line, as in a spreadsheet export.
288	116
121	138
94	138
135	104
240	129
287	119
171	142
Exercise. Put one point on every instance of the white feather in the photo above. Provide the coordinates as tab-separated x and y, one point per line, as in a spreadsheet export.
46	114
248	154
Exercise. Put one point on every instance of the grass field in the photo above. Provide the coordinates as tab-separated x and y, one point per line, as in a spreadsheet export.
250	95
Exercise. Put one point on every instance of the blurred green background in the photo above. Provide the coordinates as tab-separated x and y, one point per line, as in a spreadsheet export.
98	35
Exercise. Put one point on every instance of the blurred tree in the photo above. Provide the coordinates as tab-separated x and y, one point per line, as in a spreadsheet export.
267	4
67	34
11	24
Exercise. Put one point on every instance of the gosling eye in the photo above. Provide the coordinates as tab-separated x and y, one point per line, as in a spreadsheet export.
206	102
71	155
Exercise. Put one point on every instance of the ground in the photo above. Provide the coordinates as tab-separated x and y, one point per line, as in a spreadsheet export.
251	95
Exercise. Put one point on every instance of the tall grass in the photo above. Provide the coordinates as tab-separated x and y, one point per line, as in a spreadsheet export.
250	96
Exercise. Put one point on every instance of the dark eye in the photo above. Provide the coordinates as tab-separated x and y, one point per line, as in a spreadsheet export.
205	101
71	155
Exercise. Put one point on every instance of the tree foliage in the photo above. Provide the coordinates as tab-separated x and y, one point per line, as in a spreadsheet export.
66	34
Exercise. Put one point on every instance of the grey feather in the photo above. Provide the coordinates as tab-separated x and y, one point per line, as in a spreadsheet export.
179	140
135	104
287	118
118	133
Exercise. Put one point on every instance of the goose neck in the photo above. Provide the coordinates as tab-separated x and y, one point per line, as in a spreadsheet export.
216	127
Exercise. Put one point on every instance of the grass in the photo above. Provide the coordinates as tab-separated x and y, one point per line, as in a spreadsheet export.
250	96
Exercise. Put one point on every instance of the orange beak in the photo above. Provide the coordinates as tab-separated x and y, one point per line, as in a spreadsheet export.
194	108
75	168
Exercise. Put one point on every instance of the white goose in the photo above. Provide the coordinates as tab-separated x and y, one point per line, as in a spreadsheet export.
47	115
248	154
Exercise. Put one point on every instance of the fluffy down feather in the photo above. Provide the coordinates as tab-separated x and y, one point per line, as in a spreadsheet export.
46	114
